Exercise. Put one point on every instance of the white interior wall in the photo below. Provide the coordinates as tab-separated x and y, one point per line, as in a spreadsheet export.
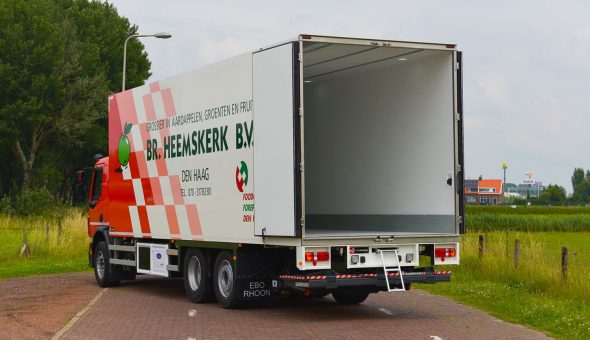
380	141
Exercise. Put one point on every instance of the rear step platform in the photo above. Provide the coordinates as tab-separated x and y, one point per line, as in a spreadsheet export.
365	280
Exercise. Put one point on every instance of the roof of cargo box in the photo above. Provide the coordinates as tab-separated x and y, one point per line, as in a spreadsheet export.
324	56
364	41
375	42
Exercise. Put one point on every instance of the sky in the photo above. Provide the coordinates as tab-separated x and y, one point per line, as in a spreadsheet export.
526	63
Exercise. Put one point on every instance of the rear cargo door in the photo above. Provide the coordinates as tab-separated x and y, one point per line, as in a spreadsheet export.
276	141
460	182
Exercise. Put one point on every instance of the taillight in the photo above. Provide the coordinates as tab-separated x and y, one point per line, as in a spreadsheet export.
323	256
445	252
315	256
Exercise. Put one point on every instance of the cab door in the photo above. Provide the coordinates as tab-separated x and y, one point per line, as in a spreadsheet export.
97	198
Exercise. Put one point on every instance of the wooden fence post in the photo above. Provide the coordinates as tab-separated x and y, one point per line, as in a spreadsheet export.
516	252
25	250
59	232
480	246
564	263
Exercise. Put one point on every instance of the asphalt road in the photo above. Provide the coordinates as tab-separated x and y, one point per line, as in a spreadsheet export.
154	308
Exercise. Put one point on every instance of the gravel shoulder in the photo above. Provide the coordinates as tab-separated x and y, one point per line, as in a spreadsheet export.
37	307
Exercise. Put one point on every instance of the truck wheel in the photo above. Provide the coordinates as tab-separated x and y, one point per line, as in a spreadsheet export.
349	298
197	277
102	266
225	281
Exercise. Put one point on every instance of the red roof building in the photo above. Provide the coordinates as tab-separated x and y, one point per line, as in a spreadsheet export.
484	191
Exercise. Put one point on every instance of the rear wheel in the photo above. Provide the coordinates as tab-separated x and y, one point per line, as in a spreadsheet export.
197	277
225	281
349	298
102	271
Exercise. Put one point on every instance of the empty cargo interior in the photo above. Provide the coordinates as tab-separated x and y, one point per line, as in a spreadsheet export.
379	142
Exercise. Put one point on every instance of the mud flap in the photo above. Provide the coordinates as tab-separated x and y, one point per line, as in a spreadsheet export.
257	268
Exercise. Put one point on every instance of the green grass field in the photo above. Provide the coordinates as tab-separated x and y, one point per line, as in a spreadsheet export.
48	255
490	218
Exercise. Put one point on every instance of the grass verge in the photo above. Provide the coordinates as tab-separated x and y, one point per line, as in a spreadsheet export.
53	252
533	293
561	318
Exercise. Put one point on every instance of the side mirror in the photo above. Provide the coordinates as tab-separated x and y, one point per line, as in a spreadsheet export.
79	193
81	186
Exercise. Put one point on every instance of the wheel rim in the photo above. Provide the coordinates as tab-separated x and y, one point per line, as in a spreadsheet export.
225	278
100	264
194	273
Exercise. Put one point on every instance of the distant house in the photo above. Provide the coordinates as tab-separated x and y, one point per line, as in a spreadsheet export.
484	191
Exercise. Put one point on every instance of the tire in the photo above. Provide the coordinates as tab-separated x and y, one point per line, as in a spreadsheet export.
102	267
197	277
225	281
349	298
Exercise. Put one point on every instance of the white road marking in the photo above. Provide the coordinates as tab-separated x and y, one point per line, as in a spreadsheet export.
192	312
386	311
70	324
434	337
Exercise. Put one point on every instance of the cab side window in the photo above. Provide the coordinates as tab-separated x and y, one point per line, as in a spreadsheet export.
96	185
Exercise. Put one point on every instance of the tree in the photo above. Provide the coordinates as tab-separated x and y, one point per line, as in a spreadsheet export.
582	192
58	62
510	185
554	194
577	177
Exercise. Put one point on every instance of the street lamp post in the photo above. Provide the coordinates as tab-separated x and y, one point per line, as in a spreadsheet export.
161	35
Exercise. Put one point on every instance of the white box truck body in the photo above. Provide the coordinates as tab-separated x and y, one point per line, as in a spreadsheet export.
321	164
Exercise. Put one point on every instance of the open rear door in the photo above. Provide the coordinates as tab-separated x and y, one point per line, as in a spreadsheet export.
460	182
276	136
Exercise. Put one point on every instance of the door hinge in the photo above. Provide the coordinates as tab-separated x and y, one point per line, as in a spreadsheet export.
303	221
457	116
459	220
300	112
301	166
457	66
299	56
459	168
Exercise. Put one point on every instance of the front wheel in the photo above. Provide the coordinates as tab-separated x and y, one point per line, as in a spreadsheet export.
102	271
225	281
349	298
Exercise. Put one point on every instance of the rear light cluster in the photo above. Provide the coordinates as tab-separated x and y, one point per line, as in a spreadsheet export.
317	256
445	252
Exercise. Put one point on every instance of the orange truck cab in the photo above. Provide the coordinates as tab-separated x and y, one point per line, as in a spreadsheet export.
93	188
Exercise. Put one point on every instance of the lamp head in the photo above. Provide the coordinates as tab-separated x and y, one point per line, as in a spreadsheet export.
163	35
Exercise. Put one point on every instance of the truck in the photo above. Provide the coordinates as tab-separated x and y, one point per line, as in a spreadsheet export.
319	165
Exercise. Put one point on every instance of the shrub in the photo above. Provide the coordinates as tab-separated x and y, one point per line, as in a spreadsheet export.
36	202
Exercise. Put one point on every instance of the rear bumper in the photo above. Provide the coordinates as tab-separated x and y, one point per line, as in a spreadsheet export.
361	280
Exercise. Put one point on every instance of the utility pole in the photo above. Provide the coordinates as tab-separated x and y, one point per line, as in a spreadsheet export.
504	166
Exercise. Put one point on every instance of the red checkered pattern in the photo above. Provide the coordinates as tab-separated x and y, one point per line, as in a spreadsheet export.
159	209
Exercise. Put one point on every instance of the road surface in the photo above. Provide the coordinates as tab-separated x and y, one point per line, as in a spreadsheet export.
71	306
